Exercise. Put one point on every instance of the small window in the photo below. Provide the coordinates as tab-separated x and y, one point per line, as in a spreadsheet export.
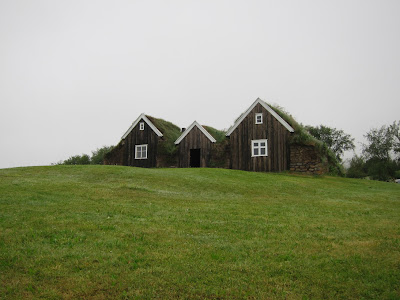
259	118
259	148
141	125
141	152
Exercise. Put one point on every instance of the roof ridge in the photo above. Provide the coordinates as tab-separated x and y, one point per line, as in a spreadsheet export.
268	108
202	129
144	117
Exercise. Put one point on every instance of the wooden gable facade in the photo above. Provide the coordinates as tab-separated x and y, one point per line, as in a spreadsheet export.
141	144
259	140
194	147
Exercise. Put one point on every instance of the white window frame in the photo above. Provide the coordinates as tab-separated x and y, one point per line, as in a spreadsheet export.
141	126
256	145
141	154
261	116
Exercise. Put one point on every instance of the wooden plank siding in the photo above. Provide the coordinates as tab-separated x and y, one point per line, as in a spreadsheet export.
272	130
141	137
195	139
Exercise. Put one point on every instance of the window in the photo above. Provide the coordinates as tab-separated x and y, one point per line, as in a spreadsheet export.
259	118
259	148
141	152
141	125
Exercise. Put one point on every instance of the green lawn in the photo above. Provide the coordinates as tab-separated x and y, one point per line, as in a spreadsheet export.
118	232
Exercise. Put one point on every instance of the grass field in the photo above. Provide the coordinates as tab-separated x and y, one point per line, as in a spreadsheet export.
108	232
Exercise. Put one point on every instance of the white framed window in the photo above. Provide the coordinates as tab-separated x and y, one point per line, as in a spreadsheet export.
141	152
141	126
259	148
259	118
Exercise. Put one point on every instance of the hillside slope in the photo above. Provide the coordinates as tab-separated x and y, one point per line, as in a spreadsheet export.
121	232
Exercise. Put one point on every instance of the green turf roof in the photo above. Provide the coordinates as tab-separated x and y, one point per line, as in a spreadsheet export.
170	133
302	137
217	134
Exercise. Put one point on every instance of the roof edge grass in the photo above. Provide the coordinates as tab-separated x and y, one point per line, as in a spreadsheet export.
170	133
218	135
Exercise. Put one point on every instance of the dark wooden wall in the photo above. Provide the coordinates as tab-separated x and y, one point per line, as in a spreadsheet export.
271	129
194	140
141	137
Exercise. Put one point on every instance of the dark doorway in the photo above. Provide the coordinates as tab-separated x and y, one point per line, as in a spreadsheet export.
195	158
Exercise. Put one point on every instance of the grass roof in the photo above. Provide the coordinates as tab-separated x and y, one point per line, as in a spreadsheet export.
170	133
218	135
301	136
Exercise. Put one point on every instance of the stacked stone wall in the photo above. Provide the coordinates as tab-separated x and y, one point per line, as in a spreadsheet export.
306	159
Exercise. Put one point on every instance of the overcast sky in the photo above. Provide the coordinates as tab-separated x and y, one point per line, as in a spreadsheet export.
74	75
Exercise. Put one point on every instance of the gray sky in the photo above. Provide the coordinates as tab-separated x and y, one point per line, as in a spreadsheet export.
75	74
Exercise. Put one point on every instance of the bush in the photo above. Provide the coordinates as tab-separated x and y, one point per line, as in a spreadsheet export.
83	159
381	169
337	140
357	168
99	154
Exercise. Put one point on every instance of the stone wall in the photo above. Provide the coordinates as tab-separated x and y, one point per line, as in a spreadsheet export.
306	159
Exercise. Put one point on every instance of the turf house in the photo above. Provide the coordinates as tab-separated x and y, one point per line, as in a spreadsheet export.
259	140
148	142
262	139
194	146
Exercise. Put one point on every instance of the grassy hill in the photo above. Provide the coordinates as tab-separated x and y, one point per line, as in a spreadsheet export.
120	232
